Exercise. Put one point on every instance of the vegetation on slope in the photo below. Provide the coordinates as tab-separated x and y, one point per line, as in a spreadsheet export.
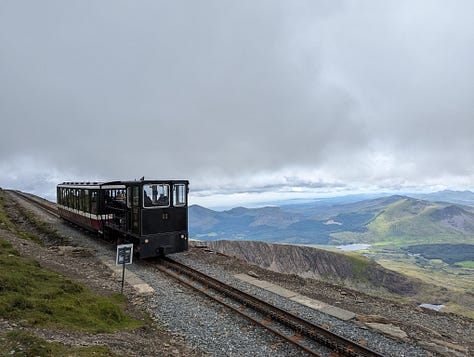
42	228
19	343
409	222
390	221
37	297
449	253
41	297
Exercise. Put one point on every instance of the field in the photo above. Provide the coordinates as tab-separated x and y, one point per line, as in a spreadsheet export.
453	284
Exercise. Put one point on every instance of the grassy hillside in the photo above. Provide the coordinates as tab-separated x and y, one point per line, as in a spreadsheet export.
409	222
41	297
34	296
448	253
20	343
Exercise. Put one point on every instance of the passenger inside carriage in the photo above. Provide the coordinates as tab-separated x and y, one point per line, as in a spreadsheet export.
156	195
163	200
147	200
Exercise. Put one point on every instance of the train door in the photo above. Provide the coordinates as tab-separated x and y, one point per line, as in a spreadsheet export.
133	209
179	214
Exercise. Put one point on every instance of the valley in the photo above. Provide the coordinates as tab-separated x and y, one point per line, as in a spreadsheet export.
427	240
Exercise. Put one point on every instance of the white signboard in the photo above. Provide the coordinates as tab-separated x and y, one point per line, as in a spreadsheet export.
124	254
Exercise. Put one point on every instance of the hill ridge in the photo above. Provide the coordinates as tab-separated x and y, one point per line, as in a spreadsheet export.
398	217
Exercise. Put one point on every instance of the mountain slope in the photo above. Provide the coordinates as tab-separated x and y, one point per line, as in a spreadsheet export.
449	196
397	219
309	262
412	221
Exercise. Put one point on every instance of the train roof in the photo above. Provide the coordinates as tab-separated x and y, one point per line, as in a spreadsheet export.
115	184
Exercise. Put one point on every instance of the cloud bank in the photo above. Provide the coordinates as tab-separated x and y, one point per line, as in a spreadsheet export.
238	96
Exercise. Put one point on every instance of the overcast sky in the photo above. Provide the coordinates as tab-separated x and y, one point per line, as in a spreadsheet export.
243	98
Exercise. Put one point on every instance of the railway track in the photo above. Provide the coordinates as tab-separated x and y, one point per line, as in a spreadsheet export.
37	202
302	333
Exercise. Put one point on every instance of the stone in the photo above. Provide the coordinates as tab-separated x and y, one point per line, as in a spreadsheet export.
372	318
389	330
253	274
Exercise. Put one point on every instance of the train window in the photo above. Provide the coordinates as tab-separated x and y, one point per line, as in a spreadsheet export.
156	195
66	197
115	198
74	198
179	195
68	200
87	201
94	195
129	197
81	199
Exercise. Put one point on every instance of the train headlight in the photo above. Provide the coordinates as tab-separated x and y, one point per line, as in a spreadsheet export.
146	240
183	236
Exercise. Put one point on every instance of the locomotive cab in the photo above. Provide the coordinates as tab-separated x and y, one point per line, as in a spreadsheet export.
161	218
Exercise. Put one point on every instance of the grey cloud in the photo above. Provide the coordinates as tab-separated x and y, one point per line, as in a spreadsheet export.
218	91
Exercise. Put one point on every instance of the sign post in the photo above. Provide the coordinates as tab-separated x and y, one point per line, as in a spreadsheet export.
124	256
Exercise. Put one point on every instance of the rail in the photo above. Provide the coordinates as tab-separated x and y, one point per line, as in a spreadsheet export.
37	202
300	327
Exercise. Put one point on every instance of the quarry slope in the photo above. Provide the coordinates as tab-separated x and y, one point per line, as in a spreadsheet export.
309	262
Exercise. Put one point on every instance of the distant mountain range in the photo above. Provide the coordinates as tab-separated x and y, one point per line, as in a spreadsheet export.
459	197
442	217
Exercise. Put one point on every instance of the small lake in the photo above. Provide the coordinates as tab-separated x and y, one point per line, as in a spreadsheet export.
432	307
351	247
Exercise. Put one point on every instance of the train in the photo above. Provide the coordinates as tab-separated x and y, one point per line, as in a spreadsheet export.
150	214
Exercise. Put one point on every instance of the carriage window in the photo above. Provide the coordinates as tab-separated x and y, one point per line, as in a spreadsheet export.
115	198
75	193
129	197
80	199
87	202
69	197
156	195
179	195
94	195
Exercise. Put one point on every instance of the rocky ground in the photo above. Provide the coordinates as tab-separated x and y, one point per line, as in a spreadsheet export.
442	334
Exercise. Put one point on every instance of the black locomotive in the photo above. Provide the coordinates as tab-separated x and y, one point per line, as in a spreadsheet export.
151	214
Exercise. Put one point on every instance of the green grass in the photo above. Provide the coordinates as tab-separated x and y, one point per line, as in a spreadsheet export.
18	343
405	222
5	223
40	297
360	265
446	283
468	264
41	226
